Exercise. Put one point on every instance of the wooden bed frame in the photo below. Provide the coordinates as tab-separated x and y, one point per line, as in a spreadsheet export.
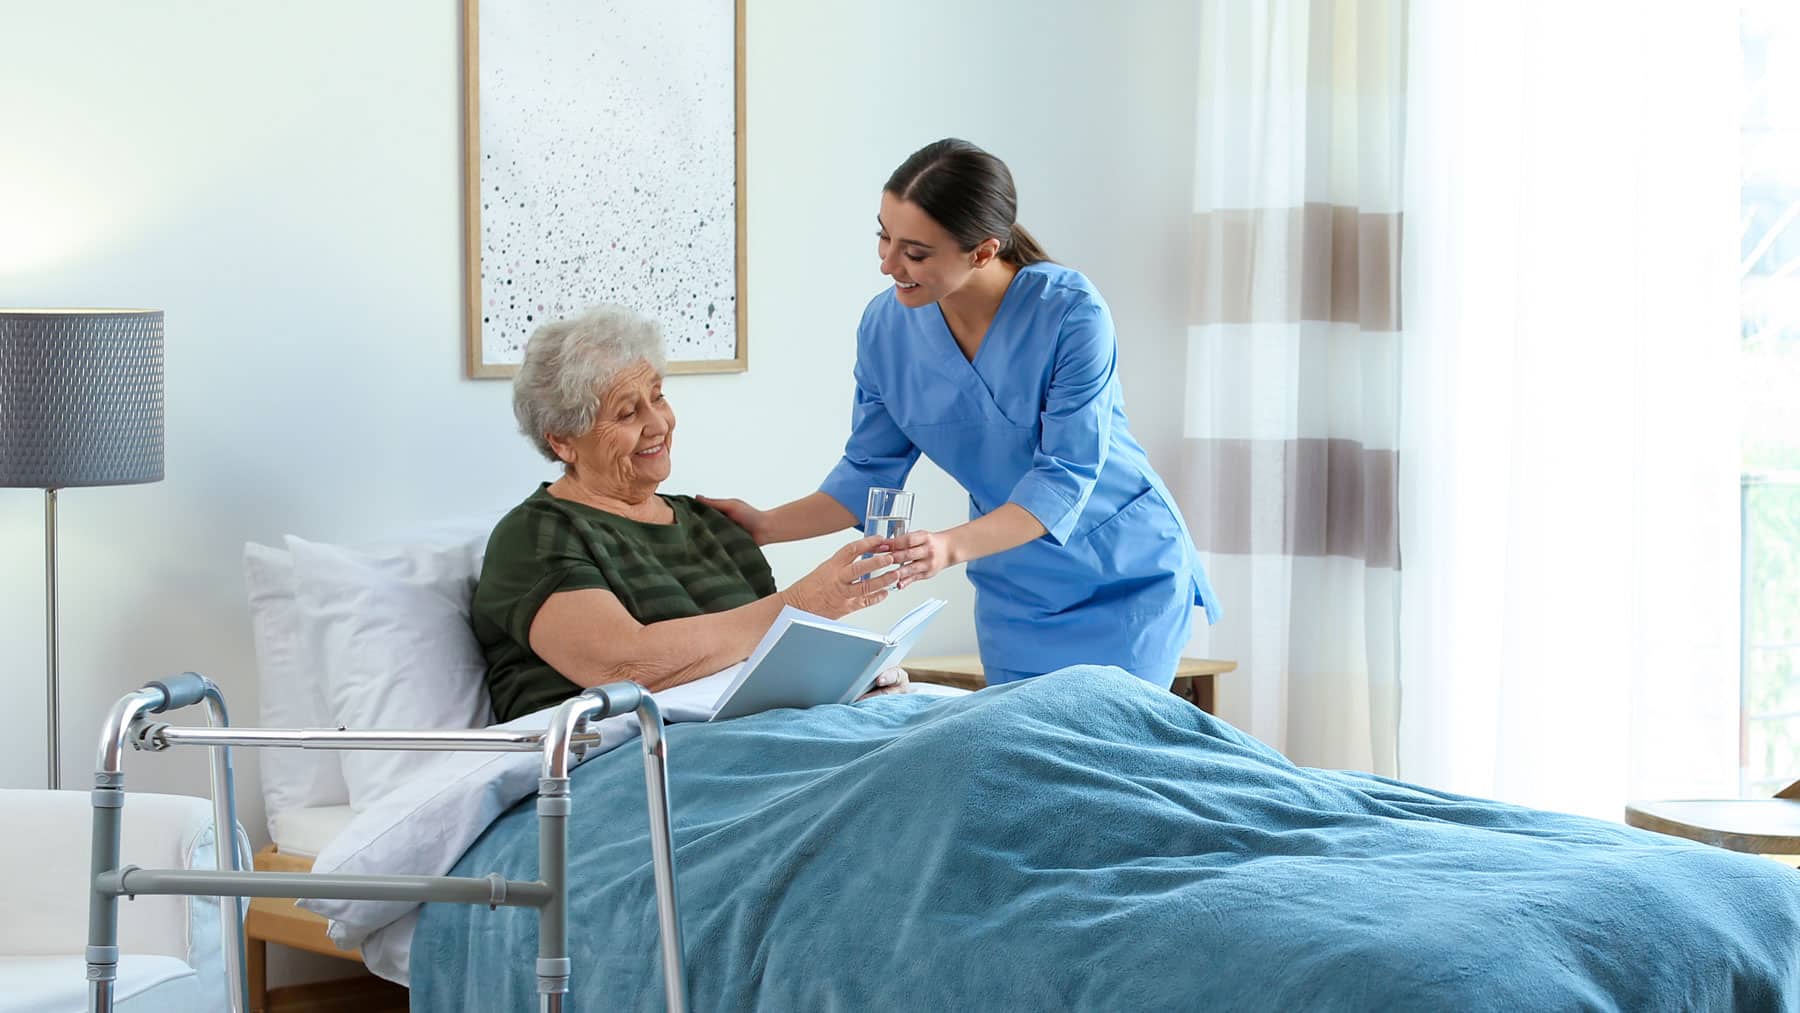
278	920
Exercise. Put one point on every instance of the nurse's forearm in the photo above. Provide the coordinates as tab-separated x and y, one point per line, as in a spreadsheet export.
1006	528
807	517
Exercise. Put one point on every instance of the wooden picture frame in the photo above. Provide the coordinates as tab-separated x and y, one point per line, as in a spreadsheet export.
684	305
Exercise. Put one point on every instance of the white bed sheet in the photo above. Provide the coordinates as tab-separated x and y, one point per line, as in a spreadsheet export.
388	950
304	831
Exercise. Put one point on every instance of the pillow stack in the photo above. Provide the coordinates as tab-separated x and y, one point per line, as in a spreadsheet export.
369	638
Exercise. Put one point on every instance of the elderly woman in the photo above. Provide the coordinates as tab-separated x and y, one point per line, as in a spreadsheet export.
597	576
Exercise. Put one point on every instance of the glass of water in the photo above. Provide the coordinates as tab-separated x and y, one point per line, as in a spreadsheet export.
889	514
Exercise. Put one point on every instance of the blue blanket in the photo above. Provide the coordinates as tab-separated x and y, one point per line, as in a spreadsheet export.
1085	841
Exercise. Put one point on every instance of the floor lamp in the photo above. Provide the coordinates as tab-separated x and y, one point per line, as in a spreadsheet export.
81	403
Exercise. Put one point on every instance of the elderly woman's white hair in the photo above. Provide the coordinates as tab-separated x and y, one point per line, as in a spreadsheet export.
570	363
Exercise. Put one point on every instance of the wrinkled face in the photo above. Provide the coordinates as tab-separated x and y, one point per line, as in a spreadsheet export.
924	260
628	448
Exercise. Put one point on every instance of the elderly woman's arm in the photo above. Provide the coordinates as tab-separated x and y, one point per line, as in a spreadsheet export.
590	638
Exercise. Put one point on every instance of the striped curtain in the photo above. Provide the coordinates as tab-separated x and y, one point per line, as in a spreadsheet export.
1288	475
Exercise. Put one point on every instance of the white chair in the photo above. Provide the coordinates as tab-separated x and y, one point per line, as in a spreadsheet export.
170	954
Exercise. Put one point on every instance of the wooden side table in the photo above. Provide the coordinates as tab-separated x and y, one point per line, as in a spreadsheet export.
277	920
1760	826
1193	676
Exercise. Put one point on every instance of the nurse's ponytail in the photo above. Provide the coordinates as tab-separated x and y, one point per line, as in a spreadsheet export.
1022	248
970	193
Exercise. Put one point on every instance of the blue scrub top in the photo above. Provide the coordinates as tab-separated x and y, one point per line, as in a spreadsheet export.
1036	419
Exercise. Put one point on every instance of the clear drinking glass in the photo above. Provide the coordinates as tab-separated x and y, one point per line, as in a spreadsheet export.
889	514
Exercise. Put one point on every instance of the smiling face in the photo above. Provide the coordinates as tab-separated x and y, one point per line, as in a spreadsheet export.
625	455
925	261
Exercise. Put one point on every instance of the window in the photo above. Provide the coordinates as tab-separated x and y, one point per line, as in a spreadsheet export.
1770	289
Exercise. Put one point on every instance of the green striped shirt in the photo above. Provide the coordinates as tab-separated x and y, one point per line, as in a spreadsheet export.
702	563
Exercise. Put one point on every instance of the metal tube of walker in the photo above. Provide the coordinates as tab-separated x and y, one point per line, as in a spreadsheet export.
599	702
103	909
475	741
668	913
493	890
183	690
553	966
224	799
108	799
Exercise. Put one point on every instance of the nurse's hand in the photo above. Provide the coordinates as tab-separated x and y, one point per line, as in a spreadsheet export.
745	516
921	555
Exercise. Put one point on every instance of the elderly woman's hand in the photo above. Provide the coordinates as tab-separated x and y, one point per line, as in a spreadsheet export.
892	680
921	555
842	584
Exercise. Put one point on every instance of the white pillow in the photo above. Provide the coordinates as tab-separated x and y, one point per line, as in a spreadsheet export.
392	628
292	689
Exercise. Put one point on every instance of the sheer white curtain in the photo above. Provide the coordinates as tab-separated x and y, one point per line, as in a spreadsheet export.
1288	470
1568	511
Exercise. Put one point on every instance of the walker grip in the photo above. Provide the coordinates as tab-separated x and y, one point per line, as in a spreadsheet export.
178	691
620	697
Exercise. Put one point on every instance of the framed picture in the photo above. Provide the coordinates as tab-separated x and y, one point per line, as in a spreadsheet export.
604	162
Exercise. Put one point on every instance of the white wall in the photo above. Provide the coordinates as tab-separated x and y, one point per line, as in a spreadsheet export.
283	180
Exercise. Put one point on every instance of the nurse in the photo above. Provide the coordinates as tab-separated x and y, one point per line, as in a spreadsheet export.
1000	366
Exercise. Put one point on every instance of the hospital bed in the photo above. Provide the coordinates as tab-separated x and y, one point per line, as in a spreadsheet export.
1076	841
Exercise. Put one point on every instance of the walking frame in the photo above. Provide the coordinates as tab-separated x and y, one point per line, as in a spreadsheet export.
566	740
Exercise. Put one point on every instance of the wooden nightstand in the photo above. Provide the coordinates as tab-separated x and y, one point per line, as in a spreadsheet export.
277	920
1193	676
1759	826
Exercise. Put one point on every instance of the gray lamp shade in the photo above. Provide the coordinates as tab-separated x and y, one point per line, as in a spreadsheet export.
81	397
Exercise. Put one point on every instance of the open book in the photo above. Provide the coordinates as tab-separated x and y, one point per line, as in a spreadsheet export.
807	659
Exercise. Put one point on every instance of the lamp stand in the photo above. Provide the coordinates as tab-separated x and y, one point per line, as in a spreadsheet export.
81	404
53	728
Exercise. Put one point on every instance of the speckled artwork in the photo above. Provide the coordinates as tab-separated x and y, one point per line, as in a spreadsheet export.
607	172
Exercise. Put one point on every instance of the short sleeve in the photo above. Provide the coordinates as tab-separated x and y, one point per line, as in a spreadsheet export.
1076	422
533	553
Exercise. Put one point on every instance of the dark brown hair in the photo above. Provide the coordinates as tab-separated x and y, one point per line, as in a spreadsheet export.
970	193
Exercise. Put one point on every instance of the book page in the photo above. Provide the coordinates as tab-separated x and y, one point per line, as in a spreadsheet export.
819	620
895	652
913	620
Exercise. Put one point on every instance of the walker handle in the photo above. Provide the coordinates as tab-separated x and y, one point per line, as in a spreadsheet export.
620	697
184	690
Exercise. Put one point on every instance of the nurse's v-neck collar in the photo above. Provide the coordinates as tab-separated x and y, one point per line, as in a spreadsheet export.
1006	298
